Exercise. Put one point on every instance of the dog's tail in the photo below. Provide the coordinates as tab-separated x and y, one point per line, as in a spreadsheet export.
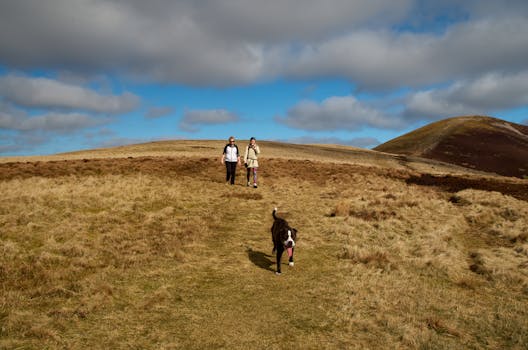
274	211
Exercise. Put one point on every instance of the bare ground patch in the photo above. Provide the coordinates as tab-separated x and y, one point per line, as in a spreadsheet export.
450	183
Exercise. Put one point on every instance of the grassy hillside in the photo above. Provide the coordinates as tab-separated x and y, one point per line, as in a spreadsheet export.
151	249
481	143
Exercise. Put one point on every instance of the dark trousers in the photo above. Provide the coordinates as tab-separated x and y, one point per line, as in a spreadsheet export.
231	171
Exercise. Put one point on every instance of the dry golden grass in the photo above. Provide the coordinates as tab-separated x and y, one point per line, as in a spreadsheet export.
159	253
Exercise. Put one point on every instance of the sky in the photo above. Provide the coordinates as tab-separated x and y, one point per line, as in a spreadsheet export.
84	74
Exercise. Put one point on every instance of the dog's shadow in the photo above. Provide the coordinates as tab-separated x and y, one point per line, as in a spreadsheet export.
260	259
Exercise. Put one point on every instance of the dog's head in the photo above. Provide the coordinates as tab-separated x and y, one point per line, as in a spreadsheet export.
288	237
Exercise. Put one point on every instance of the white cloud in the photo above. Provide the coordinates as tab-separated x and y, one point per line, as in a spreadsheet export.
431	105
12	144
385	59
362	142
48	93
59	122
158	112
336	113
61	109
22	133
53	122
495	8
226	42
277	21
489	93
193	118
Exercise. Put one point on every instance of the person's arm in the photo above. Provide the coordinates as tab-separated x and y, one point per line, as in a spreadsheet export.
246	154
222	160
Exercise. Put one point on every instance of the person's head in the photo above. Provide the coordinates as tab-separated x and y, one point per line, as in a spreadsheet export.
231	140
252	141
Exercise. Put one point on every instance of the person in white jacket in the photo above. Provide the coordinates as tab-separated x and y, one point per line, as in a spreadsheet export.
231	157
251	161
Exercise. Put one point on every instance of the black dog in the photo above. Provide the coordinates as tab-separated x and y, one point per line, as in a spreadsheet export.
283	237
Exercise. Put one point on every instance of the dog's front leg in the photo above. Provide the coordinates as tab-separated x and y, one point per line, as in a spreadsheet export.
280	250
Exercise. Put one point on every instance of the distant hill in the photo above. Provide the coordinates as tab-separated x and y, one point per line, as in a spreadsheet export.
481	143
199	149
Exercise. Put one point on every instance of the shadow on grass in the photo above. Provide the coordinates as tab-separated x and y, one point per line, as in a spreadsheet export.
260	259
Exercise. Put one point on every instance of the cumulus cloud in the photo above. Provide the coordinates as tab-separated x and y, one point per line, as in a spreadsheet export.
383	59
34	111
60	122
362	142
194	118
495	8
337	113
489	93
49	93
226	42
278	21
21	132
54	122
161	40
158	112
12	144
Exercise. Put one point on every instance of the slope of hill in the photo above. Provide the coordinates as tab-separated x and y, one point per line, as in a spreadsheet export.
213	149
146	247
481	143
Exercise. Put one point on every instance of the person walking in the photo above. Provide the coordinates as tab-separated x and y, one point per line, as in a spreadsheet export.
231	157
251	161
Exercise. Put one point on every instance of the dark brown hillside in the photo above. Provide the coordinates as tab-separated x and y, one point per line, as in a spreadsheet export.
481	143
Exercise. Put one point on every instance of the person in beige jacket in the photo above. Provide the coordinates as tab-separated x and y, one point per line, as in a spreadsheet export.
251	161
